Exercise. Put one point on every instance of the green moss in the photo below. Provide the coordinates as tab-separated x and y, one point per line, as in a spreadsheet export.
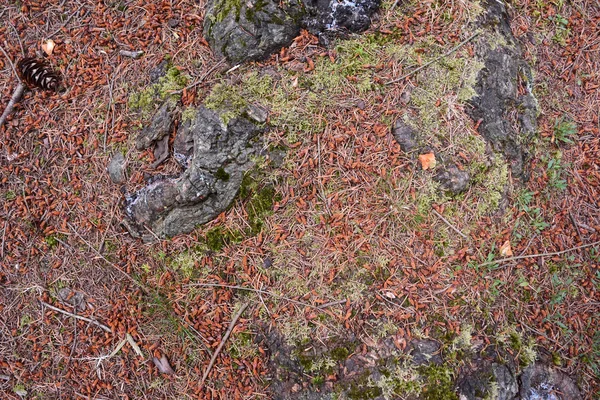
439	383
188	114
362	388
217	238
146	100
224	7
340	353
227	101
259	206
222	174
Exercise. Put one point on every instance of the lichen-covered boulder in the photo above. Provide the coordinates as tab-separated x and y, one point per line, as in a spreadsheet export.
217	157
327	18
254	29
250	30
507	119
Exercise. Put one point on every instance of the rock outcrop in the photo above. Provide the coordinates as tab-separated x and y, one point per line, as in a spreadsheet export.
507	119
215	156
254	29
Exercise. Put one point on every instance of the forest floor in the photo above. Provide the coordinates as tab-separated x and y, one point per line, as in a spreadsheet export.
351	244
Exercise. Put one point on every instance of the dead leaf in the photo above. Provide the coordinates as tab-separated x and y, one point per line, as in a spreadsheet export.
427	161
48	46
505	250
163	365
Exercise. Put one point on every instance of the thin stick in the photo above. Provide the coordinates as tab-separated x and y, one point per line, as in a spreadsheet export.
17	94
446	54
260	291
91	321
223	340
455	229
556	253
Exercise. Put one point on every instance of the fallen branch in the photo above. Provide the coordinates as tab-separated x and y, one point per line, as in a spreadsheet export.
91	321
556	253
17	94
223	340
446	54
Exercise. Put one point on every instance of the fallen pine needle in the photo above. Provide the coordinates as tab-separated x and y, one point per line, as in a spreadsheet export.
223	340
91	321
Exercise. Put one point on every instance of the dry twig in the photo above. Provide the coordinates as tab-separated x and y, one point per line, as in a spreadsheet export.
556	253
455	229
17	94
91	321
223	340
446	54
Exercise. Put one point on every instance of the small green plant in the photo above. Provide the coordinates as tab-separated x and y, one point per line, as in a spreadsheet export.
564	130
561	29
10	195
555	171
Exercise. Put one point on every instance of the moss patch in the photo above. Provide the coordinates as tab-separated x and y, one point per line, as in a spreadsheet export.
147	100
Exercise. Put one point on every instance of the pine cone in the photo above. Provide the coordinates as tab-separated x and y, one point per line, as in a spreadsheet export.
38	73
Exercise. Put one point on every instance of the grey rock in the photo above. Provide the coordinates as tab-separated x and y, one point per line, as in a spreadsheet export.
542	382
254	29
425	351
330	18
73	298
116	168
250	30
159	71
159	127
497	91
257	113
183	145
496	379
405	135
169	206
453	179
161	151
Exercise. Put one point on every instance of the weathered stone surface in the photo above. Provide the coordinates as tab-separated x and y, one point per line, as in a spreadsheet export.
220	155
327	19
161	124
116	168
250	30
254	29
487	379
541	382
161	151
425	351
498	86
453	179
405	135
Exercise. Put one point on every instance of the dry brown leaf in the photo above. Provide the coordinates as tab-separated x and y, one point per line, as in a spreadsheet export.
163	365
505	249
427	161
48	46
